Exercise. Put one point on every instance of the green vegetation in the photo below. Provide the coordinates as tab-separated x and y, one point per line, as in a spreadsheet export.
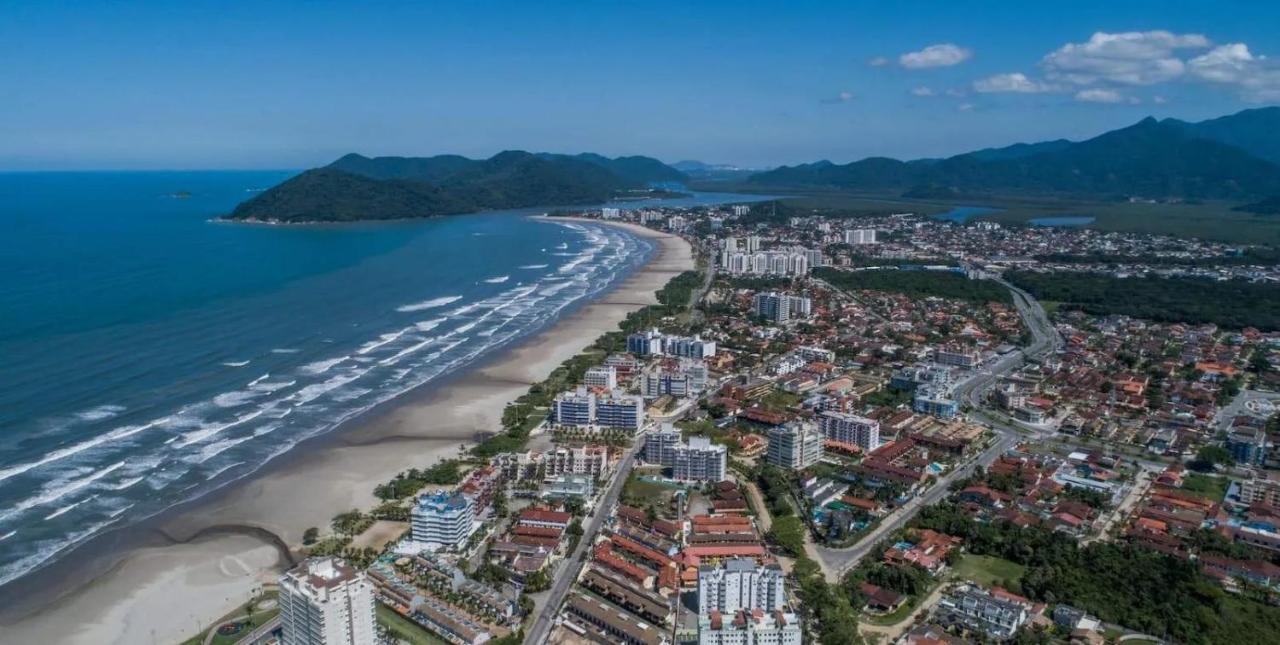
986	570
830	606
779	400
356	188
775	486
645	494
1214	488
445	473
1268	206
405	629
1118	582
1232	304
788	534
917	284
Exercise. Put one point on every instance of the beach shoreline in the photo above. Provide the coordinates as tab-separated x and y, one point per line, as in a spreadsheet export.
167	577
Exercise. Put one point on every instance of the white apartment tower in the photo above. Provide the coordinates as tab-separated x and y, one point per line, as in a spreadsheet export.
860	236
740	584
325	601
794	446
605	376
851	428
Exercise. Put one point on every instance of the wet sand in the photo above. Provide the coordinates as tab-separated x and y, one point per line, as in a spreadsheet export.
164	580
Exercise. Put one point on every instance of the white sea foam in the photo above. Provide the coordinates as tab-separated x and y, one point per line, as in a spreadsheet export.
100	413
235	363
270	386
65	509
259	379
315	390
63	453
407	351
128	483
212	430
8	535
534	266
285	350
428	325
320	367
235	399
116	513
216	448
382	340
223	470
428	304
58	489
499	279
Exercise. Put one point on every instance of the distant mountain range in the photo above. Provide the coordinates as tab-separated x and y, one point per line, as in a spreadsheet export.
1231	157
356	187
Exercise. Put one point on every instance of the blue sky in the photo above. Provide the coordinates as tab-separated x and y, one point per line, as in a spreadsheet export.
287	85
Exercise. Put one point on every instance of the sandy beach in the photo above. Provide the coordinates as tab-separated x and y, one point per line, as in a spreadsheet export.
202	560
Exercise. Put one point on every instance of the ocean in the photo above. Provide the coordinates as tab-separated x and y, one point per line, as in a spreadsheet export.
149	354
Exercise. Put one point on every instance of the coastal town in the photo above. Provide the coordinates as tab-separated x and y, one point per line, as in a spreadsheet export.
837	430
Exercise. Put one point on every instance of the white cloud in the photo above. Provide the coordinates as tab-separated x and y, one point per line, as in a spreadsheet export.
842	97
940	55
845	96
1015	82
1257	78
1130	58
965	107
1159	100
1099	95
878	61
922	91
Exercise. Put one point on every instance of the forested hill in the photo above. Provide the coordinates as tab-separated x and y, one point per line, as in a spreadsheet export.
1235	156
355	187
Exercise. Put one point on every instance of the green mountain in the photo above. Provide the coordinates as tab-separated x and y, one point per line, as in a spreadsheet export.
1159	159
1255	131
361	188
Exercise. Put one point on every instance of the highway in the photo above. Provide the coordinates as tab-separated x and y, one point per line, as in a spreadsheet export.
568	573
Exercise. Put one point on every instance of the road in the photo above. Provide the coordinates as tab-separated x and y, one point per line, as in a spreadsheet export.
568	573
971	391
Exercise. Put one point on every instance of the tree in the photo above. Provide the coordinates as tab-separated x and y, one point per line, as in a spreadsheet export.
1210	456
788	534
310	536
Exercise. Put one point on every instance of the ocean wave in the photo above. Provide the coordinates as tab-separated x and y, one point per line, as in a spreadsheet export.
285	350
100	413
66	509
63	453
428	325
235	363
490	323
58	489
213	430
320	367
270	386
382	340
128	483
498	280
407	351
46	549
8	535
224	469
216	448
235	399
428	304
